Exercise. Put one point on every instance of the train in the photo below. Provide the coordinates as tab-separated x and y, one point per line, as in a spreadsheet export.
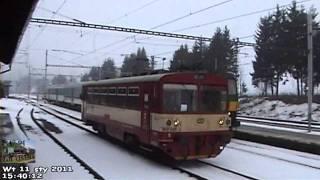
67	95
185	115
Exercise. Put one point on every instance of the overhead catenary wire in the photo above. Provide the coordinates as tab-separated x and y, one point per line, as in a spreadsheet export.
184	16
190	14
127	14
236	17
164	24
44	27
133	11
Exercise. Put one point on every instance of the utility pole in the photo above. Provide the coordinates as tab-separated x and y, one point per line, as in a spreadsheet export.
152	63
163	59
310	70
100	73
45	75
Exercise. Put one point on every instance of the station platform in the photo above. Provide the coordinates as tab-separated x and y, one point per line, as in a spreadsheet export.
7	128
300	141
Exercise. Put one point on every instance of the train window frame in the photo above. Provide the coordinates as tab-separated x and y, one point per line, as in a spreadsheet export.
119	89
167	87
135	93
111	93
223	93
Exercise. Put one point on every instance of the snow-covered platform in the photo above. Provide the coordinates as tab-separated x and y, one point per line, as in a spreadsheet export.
290	139
7	129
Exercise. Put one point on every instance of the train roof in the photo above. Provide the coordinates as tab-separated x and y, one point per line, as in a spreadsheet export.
133	79
62	86
144	78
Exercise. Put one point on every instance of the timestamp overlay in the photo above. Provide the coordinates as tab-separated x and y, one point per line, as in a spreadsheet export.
19	171
15	159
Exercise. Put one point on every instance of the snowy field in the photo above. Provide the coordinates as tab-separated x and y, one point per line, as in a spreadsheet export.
114	162
261	107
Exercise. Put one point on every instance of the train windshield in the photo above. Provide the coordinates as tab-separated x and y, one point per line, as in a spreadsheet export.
213	99
179	98
185	98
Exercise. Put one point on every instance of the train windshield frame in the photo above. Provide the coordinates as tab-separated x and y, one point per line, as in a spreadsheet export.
180	98
192	98
213	99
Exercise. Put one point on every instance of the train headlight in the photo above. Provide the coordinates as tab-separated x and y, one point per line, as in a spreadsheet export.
176	122
168	122
221	121
229	114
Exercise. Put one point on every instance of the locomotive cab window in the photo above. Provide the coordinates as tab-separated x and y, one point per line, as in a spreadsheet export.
213	99
179	98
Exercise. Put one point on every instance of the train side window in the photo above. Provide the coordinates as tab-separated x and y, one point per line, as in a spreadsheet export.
121	91
112	91
133	91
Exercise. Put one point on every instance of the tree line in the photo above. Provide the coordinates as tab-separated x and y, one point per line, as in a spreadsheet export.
282	51
219	56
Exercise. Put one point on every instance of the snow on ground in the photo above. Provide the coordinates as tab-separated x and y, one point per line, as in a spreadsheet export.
114	162
252	154
109	160
80	123
65	110
48	154
280	128
252	162
261	107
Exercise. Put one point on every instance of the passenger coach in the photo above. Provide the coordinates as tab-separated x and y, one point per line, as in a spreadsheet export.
183	114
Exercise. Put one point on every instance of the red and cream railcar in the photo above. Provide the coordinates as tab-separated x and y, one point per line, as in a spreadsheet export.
183	114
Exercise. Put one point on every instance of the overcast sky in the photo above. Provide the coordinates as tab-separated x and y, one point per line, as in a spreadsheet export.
91	47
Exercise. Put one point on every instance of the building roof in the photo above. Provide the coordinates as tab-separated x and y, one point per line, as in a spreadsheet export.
14	18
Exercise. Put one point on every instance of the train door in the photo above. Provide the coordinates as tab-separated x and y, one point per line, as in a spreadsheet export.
145	113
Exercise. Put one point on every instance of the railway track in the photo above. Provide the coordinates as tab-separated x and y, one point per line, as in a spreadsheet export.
279	123
150	157
228	170
60	112
203	162
273	157
95	174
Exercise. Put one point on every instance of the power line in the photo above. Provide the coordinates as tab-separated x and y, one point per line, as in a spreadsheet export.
156	44
71	66
133	11
129	30
187	15
64	60
191	14
118	28
127	14
236	17
60	14
171	21
44	27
